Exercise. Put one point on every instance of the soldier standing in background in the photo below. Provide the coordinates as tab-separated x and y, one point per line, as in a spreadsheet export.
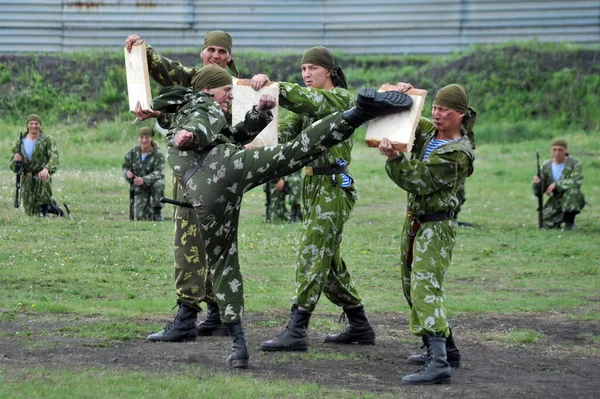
287	191
144	167
563	177
38	154
190	270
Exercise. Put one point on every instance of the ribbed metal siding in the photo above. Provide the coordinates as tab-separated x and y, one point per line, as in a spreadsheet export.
352	26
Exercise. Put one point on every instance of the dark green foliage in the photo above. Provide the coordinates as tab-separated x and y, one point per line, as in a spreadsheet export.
520	90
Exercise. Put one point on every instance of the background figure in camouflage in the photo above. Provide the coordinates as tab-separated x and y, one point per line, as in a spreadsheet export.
328	195
192	280
144	167
286	191
221	172
39	155
440	161
562	176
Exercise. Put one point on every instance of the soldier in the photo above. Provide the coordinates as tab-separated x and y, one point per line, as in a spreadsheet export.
144	168
216	172
440	161
287	190
562	176
39	156
329	196
191	286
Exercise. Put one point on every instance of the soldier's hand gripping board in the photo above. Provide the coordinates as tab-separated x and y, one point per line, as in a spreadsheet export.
398	128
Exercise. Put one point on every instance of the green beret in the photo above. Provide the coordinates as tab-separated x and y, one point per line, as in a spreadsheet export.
210	77
34	117
560	143
218	38
146	131
454	97
322	56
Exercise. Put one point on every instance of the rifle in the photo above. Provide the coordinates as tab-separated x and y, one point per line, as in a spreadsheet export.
540	193
19	173
131	200
267	190
165	200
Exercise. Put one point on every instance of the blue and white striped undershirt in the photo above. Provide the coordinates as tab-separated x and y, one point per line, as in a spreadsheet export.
433	144
346	179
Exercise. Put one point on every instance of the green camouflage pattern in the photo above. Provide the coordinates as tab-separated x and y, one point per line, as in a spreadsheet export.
291	194
152	171
216	191
566	196
431	185
34	191
325	205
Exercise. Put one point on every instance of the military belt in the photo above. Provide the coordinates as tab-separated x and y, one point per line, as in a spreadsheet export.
330	170
423	217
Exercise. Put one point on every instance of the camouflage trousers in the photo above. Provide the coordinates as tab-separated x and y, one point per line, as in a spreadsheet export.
147	200
35	193
571	200
217	188
192	280
319	266
289	196
423	282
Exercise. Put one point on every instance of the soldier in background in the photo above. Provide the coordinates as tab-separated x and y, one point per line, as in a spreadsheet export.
144	167
563	177
190	284
287	191
39	156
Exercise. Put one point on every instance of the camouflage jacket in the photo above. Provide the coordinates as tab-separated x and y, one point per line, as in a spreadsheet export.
432	183
197	112
570	178
309	105
45	155
151	170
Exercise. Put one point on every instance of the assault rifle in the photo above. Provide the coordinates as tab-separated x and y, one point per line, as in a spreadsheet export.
19	173
131	199
540	192
267	190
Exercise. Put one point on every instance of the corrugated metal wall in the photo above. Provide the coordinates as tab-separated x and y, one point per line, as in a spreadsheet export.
351	26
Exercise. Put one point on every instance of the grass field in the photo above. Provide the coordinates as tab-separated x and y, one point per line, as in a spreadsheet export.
117	274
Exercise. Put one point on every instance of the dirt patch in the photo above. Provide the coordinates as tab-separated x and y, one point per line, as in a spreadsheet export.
561	364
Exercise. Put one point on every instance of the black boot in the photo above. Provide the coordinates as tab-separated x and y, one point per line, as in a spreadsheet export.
157	217
370	104
569	219
211	325
296	213
182	328
359	330
294	336
239	348
452	353
436	369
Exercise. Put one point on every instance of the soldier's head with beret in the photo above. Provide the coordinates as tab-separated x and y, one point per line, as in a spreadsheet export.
34	123
559	150
320	69
217	50
216	82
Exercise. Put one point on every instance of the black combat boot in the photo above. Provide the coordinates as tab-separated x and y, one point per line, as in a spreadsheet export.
569	219
359	330
436	369
370	104
182	328
296	213
239	348
294	336
452	352
211	325
157	217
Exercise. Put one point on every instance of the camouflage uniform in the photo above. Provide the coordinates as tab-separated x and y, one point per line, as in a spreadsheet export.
152	170
36	192
432	185
192	284
326	204
216	189
290	195
566	196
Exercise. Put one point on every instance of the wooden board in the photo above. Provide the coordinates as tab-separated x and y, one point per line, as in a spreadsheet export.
398	128
138	79
244	97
